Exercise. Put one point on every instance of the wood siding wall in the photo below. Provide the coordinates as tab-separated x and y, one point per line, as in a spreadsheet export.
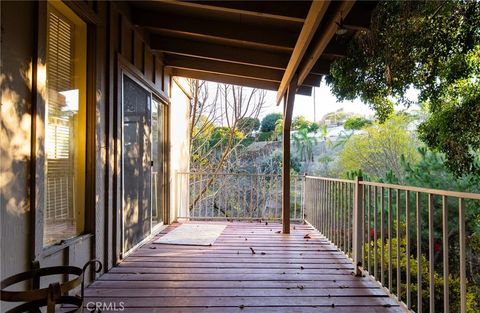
111	37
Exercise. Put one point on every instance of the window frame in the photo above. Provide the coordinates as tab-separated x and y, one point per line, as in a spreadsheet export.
37	169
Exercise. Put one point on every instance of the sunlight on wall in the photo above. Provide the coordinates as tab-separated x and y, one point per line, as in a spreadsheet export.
15	136
179	146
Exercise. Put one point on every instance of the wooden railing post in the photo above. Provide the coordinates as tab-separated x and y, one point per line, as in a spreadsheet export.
357	226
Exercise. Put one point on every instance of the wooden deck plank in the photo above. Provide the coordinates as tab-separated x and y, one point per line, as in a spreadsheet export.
287	273
265	310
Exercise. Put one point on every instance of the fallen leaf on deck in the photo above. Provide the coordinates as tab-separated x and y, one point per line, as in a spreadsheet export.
307	236
278	231
301	267
263	253
253	251
241	306
300	286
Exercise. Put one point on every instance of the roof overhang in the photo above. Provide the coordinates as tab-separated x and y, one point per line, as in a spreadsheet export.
260	44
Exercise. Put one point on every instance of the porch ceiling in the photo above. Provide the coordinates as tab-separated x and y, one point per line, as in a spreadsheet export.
260	44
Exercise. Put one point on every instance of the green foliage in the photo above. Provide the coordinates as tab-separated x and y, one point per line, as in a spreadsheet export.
432	46
248	124
454	125
222	134
304	144
313	127
264	136
278	129
268	122
431	171
273	164
356	123
379	149
374	249
300	122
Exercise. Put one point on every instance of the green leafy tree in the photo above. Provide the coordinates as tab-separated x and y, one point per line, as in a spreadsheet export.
299	122
356	123
248	124
268	122
278	131
434	47
304	144
380	148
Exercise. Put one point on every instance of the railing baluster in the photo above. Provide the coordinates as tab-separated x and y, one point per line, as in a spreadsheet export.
407	248
431	254
369	230
463	268
390	283
375	231
446	305
295	197
382	237
419	254
399	277
344	216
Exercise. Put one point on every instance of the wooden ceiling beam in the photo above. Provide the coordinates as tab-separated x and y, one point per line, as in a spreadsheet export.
315	15
236	9
312	80
304	90
202	28
360	17
219	52
222	78
289	10
322	67
328	30
219	67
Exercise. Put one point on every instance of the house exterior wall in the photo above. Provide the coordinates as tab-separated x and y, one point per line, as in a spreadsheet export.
113	45
179	147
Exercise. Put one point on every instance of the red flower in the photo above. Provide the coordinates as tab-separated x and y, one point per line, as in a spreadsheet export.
372	233
437	247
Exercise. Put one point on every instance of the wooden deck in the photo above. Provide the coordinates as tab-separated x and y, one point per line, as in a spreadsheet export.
287	273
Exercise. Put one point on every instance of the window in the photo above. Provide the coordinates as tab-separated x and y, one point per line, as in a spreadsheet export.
65	125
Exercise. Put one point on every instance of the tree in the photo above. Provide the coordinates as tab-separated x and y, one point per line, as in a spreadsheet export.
379	149
304	144
434	47
356	123
268	122
278	131
248	124
300	122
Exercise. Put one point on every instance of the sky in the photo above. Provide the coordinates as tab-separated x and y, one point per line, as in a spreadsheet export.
325	102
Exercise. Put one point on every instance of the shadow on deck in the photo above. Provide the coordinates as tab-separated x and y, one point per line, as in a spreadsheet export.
287	273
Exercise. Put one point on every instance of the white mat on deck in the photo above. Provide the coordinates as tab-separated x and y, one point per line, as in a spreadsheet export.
192	234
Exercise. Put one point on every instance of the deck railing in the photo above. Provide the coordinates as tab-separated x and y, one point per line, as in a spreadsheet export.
236	196
411	240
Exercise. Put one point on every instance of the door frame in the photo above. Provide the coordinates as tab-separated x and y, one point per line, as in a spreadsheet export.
124	67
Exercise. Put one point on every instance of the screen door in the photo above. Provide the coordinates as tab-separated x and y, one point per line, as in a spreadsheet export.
136	163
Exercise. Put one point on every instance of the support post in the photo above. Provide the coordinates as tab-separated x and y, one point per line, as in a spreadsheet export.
357	227
287	121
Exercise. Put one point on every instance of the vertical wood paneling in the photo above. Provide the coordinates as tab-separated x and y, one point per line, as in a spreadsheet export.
127	40
138	54
148	57
158	73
